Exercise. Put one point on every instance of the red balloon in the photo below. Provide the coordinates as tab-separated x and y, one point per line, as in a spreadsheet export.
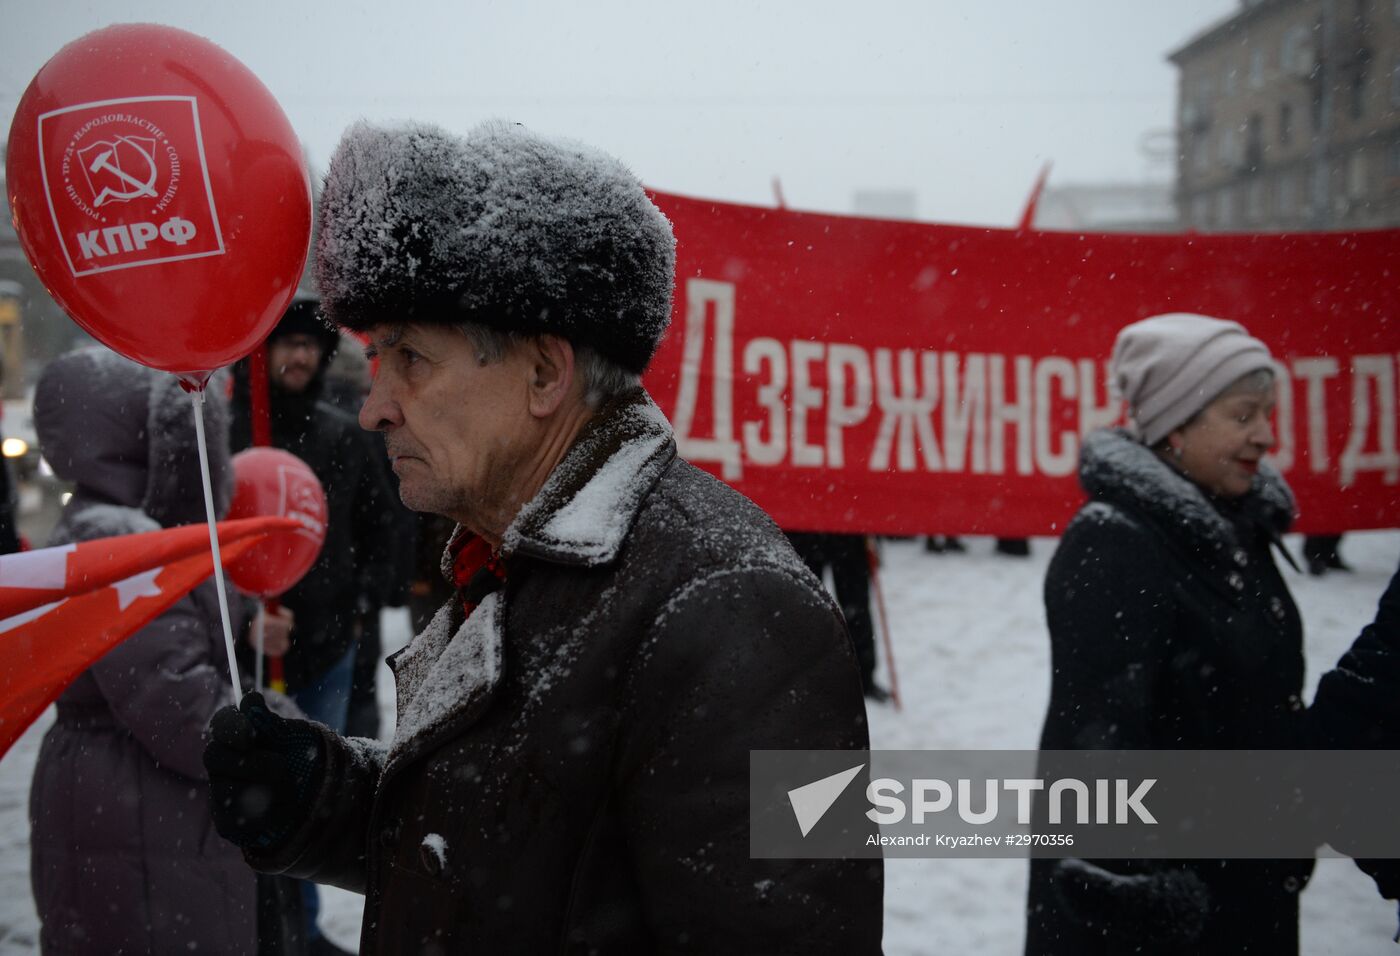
271	482
160	194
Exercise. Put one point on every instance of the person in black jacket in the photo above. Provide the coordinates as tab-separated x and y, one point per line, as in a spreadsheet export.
351	572
9	510
346	385
353	575
1322	553
9	526
1357	707
849	559
1171	628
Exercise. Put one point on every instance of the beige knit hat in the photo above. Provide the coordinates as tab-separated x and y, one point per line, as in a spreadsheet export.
1169	367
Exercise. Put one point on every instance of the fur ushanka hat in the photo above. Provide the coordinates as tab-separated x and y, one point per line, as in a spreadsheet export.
501	227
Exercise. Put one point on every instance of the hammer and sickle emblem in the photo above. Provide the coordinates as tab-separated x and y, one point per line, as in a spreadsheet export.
122	168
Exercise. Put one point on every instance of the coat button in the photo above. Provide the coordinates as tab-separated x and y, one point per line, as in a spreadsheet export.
1236	581
1241	557
432	852
388	836
1291	884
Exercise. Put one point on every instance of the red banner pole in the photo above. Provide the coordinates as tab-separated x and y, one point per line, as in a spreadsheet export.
261	411
873	560
258	391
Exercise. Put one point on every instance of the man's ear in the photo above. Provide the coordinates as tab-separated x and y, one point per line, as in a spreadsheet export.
552	374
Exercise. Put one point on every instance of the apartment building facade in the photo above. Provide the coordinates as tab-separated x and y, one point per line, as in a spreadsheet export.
1289	118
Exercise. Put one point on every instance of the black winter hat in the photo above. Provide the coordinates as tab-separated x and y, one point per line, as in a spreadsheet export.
303	317
501	227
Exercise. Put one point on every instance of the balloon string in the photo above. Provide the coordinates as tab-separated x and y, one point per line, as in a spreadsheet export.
259	622
197	399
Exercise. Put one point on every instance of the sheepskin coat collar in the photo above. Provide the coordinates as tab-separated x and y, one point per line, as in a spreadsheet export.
1116	468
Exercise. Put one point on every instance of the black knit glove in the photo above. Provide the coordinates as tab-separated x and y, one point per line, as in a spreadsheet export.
263	771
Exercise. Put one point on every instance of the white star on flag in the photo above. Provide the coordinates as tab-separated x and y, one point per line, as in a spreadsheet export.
137	586
44	570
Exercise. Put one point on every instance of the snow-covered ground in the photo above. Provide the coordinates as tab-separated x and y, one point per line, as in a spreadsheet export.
974	671
973	663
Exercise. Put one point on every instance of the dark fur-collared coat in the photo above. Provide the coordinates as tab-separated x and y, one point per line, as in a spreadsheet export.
1170	628
570	771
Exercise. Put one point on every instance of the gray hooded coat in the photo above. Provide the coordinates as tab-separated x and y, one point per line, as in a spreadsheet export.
125	858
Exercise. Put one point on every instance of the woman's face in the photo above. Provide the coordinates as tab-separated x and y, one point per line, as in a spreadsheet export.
1221	447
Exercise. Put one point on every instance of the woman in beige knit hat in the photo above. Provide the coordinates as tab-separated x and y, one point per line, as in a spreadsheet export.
1171	628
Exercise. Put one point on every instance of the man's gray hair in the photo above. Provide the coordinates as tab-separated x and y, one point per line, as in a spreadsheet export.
602	379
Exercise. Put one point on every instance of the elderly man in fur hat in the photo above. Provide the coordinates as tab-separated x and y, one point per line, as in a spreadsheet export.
570	768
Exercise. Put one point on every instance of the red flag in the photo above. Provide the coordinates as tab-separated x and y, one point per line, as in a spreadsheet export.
62	608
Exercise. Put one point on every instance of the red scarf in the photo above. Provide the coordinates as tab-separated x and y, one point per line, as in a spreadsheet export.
477	569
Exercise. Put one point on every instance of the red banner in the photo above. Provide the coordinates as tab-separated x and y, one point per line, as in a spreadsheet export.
877	376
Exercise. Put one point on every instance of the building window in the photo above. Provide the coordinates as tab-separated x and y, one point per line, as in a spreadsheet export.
1320	191
1256	68
1295	57
1225	208
1200	153
1356	92
1195	115
1254	141
1395	82
1287	194
1356	175
1200	211
1254	201
1392	155
1227	80
1285	124
1229	145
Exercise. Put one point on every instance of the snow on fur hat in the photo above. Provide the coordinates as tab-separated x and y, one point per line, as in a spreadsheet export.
501	227
1169	367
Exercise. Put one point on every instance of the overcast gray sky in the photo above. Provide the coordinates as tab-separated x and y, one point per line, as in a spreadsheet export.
961	102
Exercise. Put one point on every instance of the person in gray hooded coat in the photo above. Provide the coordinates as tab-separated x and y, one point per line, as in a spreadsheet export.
124	855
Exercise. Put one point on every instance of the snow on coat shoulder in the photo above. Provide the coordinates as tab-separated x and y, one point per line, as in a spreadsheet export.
587	506
445	670
591	519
